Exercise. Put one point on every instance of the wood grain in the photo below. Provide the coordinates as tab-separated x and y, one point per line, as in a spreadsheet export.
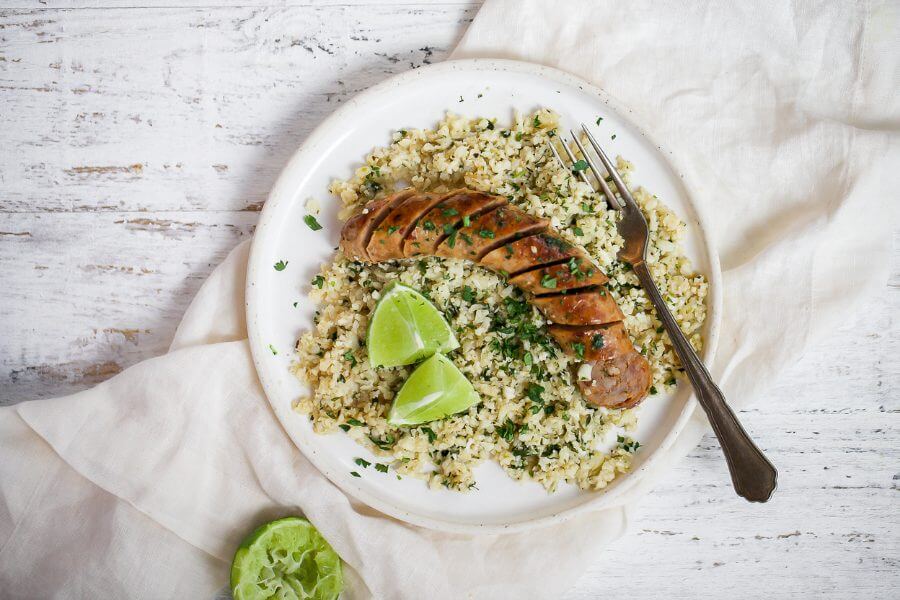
140	139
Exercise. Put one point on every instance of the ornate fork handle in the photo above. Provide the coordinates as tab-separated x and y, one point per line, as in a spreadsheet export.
753	475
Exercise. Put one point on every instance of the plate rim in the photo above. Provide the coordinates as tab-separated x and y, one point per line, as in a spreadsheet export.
256	263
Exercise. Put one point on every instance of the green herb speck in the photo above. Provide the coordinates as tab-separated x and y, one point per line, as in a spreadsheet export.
311	222
281	265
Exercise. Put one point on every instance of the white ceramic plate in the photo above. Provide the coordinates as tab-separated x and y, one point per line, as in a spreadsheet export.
419	98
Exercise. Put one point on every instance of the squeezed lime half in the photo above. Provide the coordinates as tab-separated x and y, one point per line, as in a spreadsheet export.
435	390
286	559
405	328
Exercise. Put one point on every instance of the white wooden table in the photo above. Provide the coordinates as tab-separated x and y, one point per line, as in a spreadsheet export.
138	144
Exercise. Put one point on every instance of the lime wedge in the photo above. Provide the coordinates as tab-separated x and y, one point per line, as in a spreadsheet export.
434	390
406	328
287	558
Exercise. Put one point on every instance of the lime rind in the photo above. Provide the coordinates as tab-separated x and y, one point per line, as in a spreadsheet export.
405	328
288	559
434	390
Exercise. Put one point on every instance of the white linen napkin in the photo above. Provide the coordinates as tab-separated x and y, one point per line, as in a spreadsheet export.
782	118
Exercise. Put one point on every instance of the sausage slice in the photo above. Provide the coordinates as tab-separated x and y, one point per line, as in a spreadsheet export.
481	234
357	231
591	307
619	375
388	237
572	274
437	224
530	252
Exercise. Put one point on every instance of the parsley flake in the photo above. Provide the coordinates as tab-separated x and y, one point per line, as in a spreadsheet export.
381	467
319	281
580	165
599	119
362	462
578	347
355	474
281	265
311	222
548	282
487	234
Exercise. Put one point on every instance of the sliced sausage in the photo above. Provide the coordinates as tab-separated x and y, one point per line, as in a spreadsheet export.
621	381
591	307
564	284
573	274
619	376
530	252
357	231
437	224
481	234
592	342
388	237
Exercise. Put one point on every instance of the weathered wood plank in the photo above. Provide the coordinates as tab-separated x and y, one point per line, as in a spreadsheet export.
86	294
186	109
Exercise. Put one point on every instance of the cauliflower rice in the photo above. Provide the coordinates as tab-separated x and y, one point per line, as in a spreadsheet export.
531	419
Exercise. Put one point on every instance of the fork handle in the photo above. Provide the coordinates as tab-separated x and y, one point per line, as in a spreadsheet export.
752	475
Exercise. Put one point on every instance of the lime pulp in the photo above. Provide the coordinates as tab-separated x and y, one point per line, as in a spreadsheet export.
286	559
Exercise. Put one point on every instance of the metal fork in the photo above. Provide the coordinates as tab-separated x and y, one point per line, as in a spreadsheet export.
752	475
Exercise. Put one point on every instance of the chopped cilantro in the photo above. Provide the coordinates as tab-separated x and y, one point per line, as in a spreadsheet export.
348	356
311	222
580	165
519	136
344	427
548	282
392	229
577	231
578	347
466	238
449	212
507	430
355	474
318	281
468	294
449	228
486	233
355	422
467	220
613	137
273	350
362	462
537	121
490	124
653	390
534	391
385	444
428	225
587	207
281	265
381	467
430	433
505	133
599	119
451	239
528	359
